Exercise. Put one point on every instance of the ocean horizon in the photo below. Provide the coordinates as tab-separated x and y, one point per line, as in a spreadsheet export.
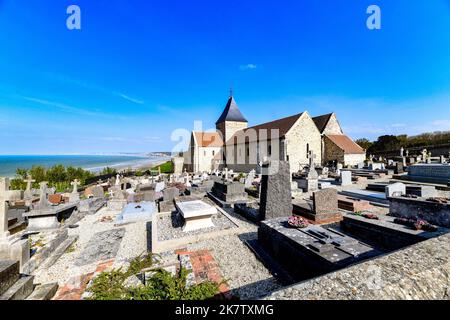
95	163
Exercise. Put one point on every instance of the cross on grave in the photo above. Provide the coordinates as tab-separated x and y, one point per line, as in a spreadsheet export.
75	184
29	180
312	173
311	157
43	203
226	174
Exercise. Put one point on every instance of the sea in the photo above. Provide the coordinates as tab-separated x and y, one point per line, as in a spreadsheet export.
95	163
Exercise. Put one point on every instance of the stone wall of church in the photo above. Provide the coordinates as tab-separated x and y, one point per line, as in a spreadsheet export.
333	126
332	152
302	137
228	128
203	158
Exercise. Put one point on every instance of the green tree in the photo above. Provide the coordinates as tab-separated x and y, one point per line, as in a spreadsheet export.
364	143
38	173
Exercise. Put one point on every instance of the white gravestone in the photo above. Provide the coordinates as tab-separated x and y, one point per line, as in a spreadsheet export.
395	190
197	215
346	178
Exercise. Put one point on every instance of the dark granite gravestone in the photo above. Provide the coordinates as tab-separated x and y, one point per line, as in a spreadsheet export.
276	197
228	192
399	169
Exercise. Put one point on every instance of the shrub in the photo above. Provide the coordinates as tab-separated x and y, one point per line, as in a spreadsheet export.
161	286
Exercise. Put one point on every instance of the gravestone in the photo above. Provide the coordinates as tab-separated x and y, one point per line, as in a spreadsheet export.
395	190
197	215
324	208
160	186
249	179
399	169
74	196
325	202
275	196
346	178
98	192
28	191
169	194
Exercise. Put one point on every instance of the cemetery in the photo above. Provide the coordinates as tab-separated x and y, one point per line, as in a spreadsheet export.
268	233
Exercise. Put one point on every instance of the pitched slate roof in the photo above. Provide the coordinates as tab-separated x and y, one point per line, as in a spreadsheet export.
231	112
283	125
208	139
322	121
346	144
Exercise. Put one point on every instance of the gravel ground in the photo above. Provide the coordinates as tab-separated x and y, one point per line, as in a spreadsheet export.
132	245
169	227
245	274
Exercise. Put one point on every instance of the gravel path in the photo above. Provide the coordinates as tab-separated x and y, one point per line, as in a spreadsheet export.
133	244
246	276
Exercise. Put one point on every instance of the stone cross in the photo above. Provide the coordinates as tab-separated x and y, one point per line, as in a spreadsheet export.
29	180
226	174
75	184
4	186
311	157
43	194
407	153
424	154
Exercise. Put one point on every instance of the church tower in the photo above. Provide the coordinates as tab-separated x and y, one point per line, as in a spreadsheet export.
231	120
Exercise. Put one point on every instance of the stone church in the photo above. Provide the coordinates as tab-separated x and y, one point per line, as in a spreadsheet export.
241	148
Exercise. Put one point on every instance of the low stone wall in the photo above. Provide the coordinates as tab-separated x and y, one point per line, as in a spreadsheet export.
421	271
434	213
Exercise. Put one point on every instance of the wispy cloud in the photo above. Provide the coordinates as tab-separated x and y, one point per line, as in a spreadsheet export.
249	66
82	84
124	96
71	109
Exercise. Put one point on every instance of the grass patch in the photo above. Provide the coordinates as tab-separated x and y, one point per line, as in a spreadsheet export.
166	167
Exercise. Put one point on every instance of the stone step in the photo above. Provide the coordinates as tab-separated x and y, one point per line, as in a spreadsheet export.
44	291
60	250
9	274
19	290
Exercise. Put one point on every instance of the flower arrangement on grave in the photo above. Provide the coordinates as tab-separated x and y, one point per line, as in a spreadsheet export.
370	216
298	222
418	224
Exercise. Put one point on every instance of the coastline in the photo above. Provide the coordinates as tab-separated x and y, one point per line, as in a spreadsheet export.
133	162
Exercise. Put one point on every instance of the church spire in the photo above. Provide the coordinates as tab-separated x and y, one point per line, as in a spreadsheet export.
231	111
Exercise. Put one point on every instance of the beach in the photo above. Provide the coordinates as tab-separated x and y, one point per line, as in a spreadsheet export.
94	163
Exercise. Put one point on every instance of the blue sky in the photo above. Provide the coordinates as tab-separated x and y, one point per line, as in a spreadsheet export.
138	70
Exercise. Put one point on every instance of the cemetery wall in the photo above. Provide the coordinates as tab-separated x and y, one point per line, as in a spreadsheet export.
302	134
420	271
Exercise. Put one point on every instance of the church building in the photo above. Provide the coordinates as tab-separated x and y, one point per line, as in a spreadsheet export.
241	148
